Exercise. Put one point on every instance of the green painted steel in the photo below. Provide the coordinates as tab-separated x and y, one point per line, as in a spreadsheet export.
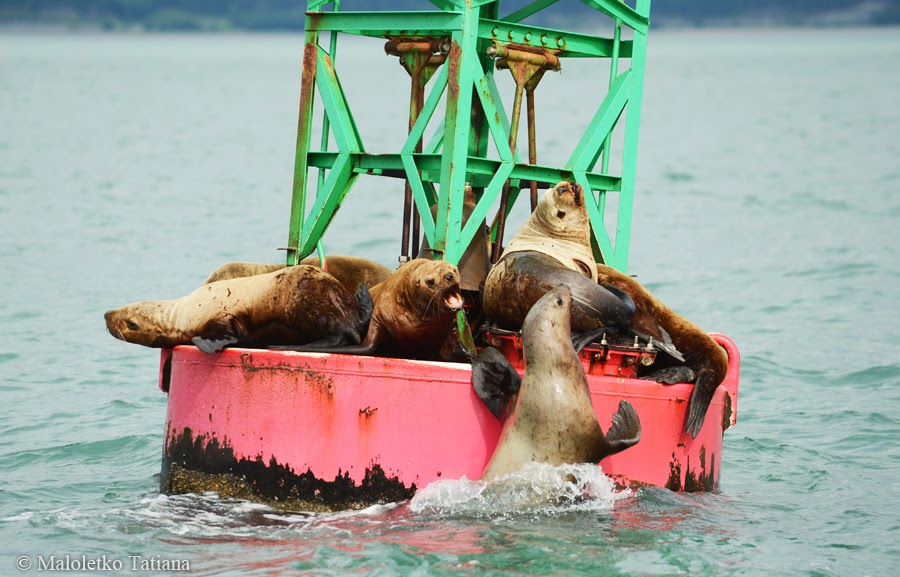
473	116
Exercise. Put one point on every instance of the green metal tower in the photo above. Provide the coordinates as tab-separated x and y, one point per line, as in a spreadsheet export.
458	47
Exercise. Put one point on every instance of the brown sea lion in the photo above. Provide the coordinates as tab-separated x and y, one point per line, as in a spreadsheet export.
414	313
297	305
351	271
553	248
702	354
547	416
475	263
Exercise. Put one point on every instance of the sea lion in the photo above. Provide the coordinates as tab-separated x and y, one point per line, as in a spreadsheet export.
547	416
300	304
552	248
475	263
351	271
702	354
414	313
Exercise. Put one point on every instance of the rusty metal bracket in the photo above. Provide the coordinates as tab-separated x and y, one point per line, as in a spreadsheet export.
527	65
420	57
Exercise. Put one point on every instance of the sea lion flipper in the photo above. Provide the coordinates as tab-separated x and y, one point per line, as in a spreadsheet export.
495	381
622	295
210	346
625	430
366	306
673	375
704	389
582	339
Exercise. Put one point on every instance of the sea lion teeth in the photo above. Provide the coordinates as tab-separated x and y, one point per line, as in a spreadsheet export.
454	301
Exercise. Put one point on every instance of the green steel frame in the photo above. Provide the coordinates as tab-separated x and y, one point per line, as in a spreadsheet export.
473	113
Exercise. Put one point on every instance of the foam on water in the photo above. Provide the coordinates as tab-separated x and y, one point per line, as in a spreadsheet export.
537	488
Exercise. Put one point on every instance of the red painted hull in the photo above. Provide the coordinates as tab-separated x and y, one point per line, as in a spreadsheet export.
329	416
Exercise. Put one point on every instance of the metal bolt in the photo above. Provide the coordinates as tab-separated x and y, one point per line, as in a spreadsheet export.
528	37
544	39
495	31
560	42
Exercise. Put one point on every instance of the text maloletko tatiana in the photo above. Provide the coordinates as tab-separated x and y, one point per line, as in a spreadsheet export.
106	563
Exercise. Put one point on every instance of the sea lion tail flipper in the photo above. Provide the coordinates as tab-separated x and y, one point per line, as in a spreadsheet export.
622	295
581	340
625	430
673	375
369	346
209	345
495	381
366	306
704	389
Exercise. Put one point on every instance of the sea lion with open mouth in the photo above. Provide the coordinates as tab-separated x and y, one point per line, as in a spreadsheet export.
547	415
297	305
414	313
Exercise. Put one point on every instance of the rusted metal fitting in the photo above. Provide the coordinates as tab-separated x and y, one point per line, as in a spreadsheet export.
399	46
532	55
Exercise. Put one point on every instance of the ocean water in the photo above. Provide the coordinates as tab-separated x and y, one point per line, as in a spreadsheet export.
767	208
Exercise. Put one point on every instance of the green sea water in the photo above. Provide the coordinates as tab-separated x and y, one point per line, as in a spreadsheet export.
768	199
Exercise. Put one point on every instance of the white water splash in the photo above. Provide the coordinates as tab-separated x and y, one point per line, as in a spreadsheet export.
536	488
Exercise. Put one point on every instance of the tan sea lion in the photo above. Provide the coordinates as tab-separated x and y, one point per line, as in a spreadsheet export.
547	416
553	248
297	305
702	354
414	313
351	271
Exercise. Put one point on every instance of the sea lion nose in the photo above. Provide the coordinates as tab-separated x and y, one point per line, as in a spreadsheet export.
106	315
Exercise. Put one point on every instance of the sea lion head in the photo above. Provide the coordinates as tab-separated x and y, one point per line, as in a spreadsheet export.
546	331
141	323
437	287
562	213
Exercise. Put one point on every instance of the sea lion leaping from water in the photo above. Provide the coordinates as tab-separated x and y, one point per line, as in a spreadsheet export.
547	416
297	305
414	313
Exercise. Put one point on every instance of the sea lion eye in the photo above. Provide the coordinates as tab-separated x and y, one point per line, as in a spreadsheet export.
429	281
132	326
558	301
560	214
449	276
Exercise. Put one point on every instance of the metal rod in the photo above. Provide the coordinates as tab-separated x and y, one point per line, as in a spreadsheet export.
532	143
504	195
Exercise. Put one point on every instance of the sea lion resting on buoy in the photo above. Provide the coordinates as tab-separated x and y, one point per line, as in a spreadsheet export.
702	354
553	248
297	305
351	271
414	313
547	416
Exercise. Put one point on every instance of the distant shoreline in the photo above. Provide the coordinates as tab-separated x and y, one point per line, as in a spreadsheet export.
93	27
